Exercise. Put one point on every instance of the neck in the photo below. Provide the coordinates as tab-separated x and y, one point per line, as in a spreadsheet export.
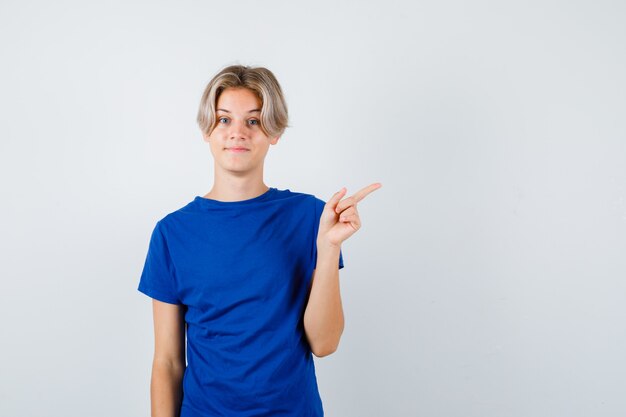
237	189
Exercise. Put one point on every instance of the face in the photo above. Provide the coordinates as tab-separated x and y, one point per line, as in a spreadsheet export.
237	143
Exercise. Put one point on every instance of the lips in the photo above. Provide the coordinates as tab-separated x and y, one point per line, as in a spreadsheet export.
237	149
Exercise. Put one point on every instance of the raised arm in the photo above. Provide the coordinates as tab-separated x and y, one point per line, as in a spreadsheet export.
169	361
323	316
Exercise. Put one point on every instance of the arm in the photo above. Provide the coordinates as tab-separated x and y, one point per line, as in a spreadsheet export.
323	317
168	365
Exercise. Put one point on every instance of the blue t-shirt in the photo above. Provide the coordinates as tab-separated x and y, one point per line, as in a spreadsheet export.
242	270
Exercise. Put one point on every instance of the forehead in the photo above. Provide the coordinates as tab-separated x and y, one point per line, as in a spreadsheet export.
238	100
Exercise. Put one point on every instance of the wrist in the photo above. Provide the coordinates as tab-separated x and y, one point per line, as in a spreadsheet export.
324	245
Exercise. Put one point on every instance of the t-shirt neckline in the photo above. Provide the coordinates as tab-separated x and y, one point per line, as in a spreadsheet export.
209	202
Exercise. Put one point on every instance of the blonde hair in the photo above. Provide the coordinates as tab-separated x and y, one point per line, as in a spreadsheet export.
262	82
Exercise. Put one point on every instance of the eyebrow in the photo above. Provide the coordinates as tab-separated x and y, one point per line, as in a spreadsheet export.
251	111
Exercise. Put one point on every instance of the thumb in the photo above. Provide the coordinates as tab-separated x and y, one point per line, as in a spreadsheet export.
336	198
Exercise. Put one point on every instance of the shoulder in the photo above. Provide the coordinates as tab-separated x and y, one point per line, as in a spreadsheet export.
174	217
301	197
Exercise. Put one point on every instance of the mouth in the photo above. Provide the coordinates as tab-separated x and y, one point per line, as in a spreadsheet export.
237	149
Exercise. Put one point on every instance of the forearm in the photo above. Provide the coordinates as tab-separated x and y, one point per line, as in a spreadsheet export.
323	316
166	391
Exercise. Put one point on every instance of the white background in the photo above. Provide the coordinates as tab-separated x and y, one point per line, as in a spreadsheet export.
488	276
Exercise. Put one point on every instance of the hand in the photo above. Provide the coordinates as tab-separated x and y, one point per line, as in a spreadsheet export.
340	219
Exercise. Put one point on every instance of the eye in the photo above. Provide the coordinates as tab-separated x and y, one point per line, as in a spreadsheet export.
254	122
222	118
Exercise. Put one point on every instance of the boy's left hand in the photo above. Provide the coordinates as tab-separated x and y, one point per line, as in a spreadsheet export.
340	219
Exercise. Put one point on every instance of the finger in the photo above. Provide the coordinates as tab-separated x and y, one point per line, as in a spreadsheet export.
344	204
348	217
332	203
353	220
348	211
356	197
360	195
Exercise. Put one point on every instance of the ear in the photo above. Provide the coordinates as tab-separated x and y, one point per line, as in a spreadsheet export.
205	137
274	141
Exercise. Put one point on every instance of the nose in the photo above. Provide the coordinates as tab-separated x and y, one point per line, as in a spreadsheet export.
237	130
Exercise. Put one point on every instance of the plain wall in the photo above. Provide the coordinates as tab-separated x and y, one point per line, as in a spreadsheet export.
487	279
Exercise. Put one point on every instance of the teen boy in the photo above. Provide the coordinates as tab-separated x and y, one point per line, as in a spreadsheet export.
249	273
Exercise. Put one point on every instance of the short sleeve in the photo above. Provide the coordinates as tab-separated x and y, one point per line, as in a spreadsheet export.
158	277
319	207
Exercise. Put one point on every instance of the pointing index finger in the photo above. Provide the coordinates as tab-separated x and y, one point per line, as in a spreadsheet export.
360	195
